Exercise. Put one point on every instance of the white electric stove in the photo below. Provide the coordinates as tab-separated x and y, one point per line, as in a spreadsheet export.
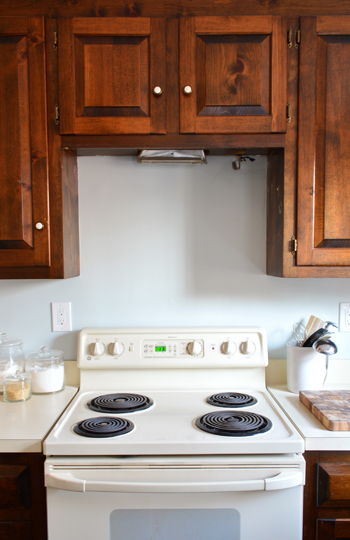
174	426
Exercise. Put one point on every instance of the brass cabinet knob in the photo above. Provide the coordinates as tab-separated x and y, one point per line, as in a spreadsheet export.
157	91
39	226
187	90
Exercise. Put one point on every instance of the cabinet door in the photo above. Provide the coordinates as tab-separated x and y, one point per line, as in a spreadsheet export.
24	216
233	74
323	220
110	73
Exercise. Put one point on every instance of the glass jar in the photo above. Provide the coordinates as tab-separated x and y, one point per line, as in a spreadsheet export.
17	387
46	367
11	357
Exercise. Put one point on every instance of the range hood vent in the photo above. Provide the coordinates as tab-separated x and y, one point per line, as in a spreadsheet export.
190	157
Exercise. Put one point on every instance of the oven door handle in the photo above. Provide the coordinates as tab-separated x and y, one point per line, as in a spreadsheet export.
66	481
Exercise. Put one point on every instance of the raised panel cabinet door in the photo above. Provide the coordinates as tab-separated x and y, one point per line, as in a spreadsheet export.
24	211
112	76
323	220
233	74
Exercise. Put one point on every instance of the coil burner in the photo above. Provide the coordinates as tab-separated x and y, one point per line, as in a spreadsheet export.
233	423
104	426
120	403
231	399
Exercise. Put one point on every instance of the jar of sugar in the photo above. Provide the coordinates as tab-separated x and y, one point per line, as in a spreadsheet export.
11	357
46	367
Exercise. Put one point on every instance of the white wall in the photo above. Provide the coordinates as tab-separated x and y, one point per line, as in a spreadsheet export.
171	245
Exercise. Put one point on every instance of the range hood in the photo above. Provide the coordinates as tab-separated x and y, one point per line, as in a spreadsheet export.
190	157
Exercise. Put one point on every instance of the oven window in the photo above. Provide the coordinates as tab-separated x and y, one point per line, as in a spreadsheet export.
186	524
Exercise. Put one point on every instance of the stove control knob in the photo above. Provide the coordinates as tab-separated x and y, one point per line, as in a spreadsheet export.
228	347
248	347
97	348
194	348
116	348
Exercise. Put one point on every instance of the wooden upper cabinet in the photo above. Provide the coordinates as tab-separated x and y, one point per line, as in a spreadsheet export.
110	73
24	215
323	221
233	74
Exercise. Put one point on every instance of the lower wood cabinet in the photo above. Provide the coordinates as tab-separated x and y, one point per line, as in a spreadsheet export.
22	497
327	496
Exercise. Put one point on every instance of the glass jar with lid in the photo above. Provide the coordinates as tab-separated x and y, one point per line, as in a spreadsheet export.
17	387
11	357
46	367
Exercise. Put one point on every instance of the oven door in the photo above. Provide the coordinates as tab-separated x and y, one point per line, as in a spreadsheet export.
180	498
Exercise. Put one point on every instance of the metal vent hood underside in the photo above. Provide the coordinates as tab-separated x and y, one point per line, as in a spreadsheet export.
190	157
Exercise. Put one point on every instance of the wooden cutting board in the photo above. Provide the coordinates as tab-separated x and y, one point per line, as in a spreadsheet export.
332	408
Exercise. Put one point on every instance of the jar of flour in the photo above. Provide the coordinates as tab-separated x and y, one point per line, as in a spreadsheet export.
46	367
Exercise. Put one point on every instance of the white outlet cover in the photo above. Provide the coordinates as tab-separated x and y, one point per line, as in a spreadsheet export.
344	317
61	316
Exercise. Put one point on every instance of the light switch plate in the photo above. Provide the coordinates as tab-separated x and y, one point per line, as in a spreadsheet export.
61	316
344	317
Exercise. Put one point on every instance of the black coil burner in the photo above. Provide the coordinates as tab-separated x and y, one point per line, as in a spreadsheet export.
104	426
233	423
231	399
120	403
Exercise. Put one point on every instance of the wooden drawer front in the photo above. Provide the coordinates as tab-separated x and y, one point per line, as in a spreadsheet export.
108	69
236	67
331	529
14	487
10	530
333	485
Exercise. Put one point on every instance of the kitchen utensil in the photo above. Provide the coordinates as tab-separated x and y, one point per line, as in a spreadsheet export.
46	367
11	357
327	347
321	332
298	333
330	326
313	324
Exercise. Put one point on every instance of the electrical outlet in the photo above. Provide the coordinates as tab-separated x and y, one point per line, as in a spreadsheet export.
344	317
61	316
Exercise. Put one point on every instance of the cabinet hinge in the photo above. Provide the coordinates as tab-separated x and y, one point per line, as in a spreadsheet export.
55	41
297	38
57	115
289	112
294	245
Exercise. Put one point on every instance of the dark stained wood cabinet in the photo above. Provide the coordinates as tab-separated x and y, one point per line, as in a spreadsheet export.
22	497
233	74
112	75
123	77
308	232
323	221
24	225
327	496
35	206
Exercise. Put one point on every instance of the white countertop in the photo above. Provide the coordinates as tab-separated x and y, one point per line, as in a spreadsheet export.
315	434
25	424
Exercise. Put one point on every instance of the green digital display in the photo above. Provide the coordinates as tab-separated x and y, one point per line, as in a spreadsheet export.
160	349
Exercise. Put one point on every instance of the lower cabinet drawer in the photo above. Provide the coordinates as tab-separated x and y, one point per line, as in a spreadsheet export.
14	487
10	530
333	485
332	529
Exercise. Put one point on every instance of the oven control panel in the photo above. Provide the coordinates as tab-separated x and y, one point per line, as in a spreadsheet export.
112	348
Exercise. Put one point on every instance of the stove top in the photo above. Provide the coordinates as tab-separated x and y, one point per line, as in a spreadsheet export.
172	392
170	426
